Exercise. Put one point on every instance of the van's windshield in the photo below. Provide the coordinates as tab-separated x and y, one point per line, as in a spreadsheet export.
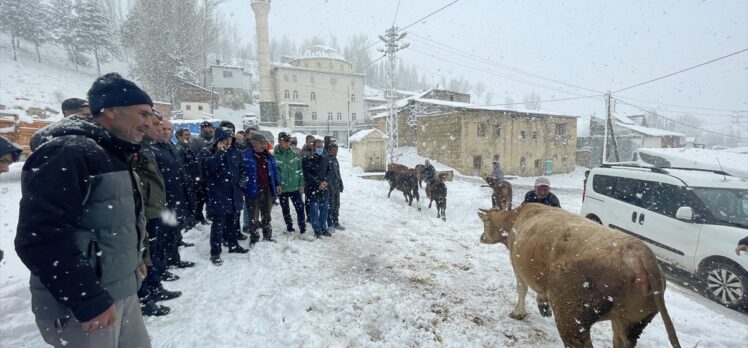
727	206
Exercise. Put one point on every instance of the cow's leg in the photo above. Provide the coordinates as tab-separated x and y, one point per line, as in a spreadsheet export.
543	305
392	187
437	210
519	311
408	199
625	334
417	197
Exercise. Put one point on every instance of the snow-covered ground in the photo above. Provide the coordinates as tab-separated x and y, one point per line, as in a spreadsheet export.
397	277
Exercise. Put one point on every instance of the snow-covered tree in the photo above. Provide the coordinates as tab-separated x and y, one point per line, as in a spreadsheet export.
95	32
62	27
38	29
16	15
532	101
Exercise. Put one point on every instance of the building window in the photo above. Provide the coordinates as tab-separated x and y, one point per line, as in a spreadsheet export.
481	129
314	116
333	81
285	77
353	116
522	135
311	79
228	91
537	164
293	78
496	158
340	116
227	74
188	107
496	131
329	116
200	108
312	96
522	164
353	98
286	94
534	135
560	129
295	95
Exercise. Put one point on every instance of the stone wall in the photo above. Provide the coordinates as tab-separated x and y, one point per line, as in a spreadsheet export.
440	138
442	94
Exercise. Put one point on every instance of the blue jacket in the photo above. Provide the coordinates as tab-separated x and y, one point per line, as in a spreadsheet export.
225	176
252	189
174	180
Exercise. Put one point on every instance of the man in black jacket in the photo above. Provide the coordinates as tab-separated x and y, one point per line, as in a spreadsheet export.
9	153
315	187
81	225
335	186
542	194
197	144
191	168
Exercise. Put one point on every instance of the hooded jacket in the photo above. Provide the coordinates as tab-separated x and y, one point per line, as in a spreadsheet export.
315	172
43	135
81	225
225	175
253	189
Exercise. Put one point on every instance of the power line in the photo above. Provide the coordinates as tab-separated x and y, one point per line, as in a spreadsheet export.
701	113
680	71
396	11
469	55
427	16
677	122
550	100
683	106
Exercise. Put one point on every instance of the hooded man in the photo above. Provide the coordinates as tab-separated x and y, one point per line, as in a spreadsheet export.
226	177
315	187
81	225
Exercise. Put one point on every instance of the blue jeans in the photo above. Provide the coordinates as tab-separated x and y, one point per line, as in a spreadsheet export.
319	205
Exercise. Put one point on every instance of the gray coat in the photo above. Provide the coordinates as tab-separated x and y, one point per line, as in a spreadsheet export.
81	224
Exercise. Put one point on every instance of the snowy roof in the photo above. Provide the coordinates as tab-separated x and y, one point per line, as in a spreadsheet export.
741	149
320	51
360	135
733	163
226	66
196	86
400	104
623	119
654	132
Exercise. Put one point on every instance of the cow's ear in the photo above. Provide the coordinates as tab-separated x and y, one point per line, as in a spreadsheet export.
483	215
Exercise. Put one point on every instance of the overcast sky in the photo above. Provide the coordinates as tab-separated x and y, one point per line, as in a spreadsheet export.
599	45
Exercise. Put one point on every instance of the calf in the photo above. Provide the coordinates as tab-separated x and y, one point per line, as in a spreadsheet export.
437	191
405	180
419	173
581	270
502	193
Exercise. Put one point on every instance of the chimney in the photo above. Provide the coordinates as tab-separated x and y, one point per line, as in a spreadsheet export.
218	62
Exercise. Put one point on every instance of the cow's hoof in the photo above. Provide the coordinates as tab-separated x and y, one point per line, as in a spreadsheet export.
444	219
545	309
518	316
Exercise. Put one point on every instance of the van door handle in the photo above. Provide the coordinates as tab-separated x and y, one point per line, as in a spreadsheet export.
641	219
633	217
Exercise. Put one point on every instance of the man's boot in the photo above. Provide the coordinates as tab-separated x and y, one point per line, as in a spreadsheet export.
150	308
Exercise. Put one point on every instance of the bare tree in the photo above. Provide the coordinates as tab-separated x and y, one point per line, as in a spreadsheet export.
532	101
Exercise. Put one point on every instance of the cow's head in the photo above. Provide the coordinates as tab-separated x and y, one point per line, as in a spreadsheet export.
497	225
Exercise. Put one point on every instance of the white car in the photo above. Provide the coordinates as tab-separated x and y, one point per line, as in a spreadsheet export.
691	219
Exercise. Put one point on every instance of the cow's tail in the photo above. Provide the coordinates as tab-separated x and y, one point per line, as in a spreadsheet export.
654	284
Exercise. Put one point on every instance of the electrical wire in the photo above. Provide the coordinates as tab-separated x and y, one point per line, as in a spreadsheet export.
681	71
396	11
682	106
427	16
675	121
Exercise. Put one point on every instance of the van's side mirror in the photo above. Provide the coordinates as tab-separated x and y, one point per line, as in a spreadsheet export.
684	213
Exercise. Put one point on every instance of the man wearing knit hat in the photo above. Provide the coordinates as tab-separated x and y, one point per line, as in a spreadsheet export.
81	225
542	193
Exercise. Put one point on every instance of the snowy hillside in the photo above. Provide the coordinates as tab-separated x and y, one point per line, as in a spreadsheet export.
28	83
397	277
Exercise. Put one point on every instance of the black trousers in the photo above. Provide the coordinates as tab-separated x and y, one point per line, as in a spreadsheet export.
298	205
332	217
259	215
201	197
224	225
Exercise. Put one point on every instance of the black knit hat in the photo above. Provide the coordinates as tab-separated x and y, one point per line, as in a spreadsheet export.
112	90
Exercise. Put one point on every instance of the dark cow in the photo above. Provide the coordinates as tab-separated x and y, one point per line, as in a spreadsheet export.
437	191
404	179
419	173
502	193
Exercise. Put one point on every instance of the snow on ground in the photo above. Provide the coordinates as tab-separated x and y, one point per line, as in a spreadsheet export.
397	277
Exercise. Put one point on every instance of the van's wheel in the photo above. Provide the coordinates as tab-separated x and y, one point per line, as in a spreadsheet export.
594	219
726	284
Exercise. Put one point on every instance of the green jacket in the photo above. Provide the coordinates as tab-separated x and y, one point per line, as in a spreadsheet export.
151	182
289	169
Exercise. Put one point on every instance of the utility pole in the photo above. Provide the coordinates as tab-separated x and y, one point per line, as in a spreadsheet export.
391	40
609	131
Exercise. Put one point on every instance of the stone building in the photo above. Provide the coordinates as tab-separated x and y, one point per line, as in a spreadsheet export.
318	93
470	137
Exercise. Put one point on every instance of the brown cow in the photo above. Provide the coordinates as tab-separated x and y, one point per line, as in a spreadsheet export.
584	271
502	193
437	191
405	180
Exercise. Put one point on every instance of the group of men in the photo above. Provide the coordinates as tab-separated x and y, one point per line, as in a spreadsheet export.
106	196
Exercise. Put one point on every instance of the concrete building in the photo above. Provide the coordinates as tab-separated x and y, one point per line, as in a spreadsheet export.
193	101
232	83
318	93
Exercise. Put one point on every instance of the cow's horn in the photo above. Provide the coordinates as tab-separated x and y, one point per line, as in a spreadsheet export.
483	210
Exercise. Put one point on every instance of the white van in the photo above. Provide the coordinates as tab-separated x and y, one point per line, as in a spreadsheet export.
691	219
